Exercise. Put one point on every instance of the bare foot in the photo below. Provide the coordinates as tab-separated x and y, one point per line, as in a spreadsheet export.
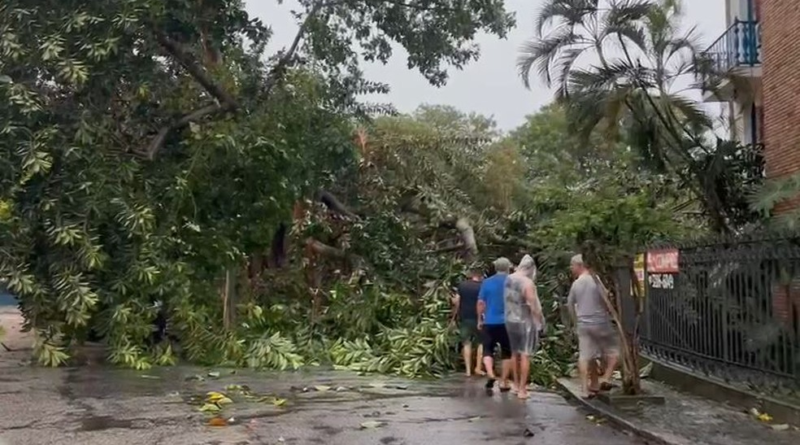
479	372
523	394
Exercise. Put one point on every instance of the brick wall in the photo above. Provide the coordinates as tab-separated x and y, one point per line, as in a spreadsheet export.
780	56
780	43
785	303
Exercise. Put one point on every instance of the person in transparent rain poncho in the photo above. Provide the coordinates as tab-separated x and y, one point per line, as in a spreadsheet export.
524	320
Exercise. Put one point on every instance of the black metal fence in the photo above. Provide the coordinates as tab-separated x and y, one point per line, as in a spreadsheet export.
727	309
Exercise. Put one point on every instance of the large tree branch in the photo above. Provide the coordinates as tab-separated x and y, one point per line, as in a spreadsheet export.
334	205
197	71
322	249
287	57
158	141
225	102
467	235
451	248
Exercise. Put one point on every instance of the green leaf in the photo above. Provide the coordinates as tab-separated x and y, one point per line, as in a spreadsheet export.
371	425
210	408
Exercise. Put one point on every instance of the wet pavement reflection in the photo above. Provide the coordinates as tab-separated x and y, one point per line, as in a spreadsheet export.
99	405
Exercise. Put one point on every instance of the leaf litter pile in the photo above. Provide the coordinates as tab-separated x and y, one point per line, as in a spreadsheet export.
215	403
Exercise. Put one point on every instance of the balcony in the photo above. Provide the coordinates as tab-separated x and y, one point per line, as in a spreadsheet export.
737	53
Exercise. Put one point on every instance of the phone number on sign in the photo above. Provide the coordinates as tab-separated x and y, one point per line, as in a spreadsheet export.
661	281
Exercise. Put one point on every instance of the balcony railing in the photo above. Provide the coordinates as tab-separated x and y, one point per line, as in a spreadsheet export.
738	47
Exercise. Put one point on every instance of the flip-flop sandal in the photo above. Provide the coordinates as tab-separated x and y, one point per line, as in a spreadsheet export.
591	396
490	383
506	389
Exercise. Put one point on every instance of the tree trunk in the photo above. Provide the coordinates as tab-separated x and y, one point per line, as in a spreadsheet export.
229	299
467	235
278	248
629	353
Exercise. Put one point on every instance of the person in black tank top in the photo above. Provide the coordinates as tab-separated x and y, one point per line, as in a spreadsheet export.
465	310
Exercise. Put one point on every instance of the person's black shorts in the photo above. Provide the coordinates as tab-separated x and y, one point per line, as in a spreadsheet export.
468	332
493	335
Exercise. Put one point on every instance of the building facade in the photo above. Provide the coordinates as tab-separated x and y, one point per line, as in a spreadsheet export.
738	53
760	53
781	85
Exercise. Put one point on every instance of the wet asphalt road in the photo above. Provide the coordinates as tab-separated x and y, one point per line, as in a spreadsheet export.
95	405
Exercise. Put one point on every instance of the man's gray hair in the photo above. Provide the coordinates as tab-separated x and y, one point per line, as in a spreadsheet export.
502	265
577	260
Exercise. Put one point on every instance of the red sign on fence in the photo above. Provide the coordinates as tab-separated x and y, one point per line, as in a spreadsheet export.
662	261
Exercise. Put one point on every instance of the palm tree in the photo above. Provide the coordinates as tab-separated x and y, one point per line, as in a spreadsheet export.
617	66
632	88
568	30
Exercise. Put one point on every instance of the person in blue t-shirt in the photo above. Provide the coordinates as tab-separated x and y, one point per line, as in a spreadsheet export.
491	320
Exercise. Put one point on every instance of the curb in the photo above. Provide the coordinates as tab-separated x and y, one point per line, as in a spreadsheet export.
782	411
601	409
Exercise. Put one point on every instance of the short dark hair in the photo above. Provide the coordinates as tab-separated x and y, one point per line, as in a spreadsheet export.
475	272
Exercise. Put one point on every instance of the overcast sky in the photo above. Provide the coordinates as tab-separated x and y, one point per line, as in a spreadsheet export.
489	86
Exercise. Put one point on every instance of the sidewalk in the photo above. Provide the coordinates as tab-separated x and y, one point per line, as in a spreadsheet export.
687	420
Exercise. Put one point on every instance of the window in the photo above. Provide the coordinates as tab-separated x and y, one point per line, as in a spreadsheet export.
759	125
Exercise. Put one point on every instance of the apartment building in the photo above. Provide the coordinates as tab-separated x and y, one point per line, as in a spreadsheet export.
780	53
780	37
760	52
738	53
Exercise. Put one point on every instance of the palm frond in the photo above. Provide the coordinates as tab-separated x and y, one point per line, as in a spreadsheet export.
773	192
616	107
606	78
624	12
543	53
631	31
585	112
688	42
644	133
564	67
688	112
626	20
569	13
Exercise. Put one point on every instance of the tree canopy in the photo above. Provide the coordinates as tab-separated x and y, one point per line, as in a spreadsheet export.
157	166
